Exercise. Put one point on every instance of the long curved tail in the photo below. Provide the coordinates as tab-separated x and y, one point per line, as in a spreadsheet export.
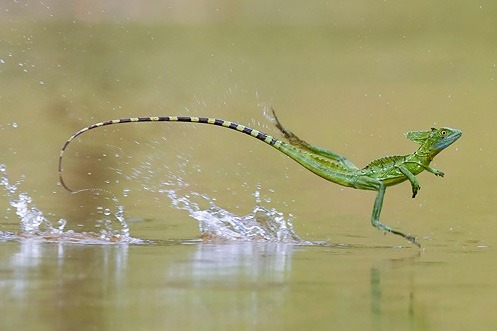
323	163
204	120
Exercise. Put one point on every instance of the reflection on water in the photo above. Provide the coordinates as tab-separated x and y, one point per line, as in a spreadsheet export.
212	262
243	285
384	305
221	284
244	281
63	292
29	260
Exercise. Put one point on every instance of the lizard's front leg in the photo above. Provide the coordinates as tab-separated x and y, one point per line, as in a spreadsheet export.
434	171
412	179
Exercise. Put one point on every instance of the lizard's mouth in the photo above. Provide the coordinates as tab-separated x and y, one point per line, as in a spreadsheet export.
449	139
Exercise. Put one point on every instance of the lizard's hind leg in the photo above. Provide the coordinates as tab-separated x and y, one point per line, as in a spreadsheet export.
375	217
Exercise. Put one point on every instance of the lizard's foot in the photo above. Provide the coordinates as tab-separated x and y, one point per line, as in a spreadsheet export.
408	237
280	127
415	190
384	227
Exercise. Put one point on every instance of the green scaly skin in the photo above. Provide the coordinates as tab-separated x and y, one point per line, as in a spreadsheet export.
376	176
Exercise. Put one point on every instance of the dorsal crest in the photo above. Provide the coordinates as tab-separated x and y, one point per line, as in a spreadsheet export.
386	161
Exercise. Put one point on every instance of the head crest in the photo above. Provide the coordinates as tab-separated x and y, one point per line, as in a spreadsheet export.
418	136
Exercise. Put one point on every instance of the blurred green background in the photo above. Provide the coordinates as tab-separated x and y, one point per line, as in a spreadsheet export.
351	76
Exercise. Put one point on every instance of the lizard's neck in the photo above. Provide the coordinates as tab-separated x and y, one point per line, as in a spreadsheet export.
424	156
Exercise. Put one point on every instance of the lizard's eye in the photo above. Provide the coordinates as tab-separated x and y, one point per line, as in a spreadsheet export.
443	133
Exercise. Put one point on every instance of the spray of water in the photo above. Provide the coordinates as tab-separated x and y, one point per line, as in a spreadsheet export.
216	223
35	226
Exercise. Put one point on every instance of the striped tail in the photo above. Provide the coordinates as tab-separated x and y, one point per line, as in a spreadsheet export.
204	120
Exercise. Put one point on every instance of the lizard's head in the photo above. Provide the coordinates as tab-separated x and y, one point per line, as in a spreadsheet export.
434	140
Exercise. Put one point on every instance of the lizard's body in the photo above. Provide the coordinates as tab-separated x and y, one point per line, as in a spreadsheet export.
376	176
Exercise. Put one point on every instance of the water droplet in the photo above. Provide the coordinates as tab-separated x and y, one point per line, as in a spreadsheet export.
62	224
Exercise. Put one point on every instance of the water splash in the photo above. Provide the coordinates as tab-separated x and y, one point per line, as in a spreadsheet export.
34	225
216	223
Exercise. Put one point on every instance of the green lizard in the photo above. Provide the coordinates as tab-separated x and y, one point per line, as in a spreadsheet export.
376	176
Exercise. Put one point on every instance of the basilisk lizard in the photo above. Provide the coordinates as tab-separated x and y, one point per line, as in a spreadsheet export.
376	176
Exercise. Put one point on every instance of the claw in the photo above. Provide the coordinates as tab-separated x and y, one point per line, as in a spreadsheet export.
415	191
408	237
